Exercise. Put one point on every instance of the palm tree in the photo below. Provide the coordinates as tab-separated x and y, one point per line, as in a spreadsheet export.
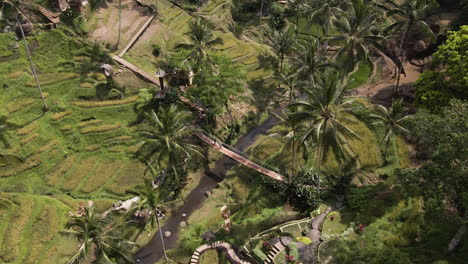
297	5
201	41
309	61
98	237
357	35
167	141
325	116
283	42
152	204
409	15
392	119
290	79
288	133
325	13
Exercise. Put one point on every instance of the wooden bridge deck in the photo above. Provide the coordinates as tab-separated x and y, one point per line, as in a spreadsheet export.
203	137
239	158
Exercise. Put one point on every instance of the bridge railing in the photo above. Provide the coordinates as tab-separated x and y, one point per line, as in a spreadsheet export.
242	154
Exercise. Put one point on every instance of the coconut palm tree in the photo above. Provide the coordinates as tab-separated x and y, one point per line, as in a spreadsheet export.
98	237
357	34
309	61
151	204
201	40
408	15
298	6
326	115
283	42
168	139
392	119
288	134
325	13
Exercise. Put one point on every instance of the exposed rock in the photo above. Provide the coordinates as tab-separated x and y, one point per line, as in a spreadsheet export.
167	234
209	236
184	215
183	224
7	29
207	193
285	240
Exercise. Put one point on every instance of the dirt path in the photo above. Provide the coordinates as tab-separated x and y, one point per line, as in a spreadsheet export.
105	26
381	92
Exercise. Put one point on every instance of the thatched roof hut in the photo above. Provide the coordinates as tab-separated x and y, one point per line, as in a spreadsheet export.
107	70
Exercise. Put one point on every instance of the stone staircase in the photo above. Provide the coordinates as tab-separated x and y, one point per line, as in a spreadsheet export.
218	245
275	250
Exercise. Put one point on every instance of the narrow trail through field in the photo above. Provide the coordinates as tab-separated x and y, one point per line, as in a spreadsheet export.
381	92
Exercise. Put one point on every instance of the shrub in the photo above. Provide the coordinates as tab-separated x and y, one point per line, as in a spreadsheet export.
431	91
156	50
102	128
358	197
293	250
304	240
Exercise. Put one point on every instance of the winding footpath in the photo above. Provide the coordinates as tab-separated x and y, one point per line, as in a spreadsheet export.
218	245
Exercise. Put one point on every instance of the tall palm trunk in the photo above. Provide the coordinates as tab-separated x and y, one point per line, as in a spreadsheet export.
386	149
228	110
260	19
33	69
162	238
297	20
400	59
294	153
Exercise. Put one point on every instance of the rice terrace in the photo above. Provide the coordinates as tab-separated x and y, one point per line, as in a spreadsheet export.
233	131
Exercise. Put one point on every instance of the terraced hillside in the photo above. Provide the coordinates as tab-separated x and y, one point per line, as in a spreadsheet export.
81	149
168	29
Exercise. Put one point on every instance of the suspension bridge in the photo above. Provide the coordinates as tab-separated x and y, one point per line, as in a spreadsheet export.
227	150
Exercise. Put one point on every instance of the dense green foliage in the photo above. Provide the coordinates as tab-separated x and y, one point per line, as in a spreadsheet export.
444	137
434	89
